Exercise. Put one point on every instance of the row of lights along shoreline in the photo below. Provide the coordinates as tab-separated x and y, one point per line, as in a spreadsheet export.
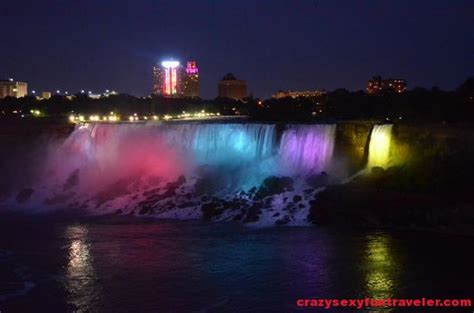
114	117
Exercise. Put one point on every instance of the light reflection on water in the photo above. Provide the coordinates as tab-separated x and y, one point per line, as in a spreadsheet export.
381	268
167	266
80	278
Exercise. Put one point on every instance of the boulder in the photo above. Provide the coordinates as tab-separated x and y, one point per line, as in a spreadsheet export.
211	210
297	198
283	221
377	171
253	213
146	210
24	195
72	180
318	180
317	214
187	204
274	185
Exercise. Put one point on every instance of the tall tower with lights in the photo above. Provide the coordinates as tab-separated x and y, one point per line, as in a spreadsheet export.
167	79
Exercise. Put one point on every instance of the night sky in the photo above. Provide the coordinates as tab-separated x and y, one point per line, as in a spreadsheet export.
273	44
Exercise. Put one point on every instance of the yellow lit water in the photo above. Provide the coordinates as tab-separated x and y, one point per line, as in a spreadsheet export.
379	146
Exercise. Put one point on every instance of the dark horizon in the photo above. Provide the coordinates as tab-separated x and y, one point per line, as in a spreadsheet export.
271	44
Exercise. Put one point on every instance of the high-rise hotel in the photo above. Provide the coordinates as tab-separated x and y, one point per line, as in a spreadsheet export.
191	80
171	79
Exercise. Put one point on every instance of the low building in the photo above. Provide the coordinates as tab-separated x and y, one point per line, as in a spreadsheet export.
297	94
11	88
231	87
378	84
46	95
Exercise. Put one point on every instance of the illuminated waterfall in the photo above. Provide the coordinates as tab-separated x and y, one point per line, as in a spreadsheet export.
303	149
222	143
204	143
379	146
104	167
241	154
307	148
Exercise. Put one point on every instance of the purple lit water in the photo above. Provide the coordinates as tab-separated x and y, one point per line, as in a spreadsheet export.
307	148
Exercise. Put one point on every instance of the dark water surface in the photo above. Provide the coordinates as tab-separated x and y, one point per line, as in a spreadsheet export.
132	265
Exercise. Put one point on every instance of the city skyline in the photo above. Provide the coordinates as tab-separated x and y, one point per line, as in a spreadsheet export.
426	43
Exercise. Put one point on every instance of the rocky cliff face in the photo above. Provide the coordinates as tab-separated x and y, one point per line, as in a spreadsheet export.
352	140
409	143
427	184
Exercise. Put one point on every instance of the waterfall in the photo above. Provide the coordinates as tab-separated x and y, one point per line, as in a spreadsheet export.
307	148
237	156
241	155
379	146
171	168
303	149
222	143
205	143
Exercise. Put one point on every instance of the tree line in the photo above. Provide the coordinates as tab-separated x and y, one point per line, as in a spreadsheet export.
416	105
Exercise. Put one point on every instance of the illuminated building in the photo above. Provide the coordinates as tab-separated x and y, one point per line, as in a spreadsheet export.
11	88
45	95
191	80
297	94
377	85
157	80
231	87
168	79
